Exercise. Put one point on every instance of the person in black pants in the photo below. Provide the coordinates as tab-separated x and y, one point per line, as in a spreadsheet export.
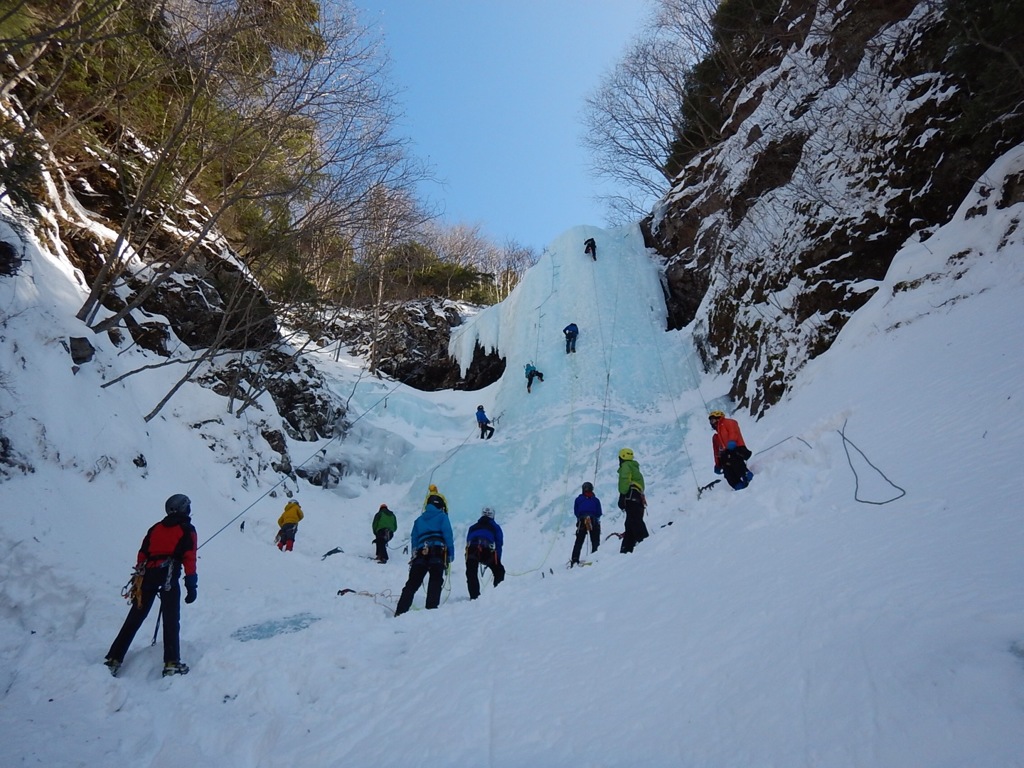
168	548
484	540
384	526
433	548
531	374
486	430
588	522
571	331
631	500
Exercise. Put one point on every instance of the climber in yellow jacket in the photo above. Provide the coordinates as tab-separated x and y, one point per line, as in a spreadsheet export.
288	522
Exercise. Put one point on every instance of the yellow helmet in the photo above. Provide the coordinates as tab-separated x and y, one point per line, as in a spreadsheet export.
626	454
432	489
716	415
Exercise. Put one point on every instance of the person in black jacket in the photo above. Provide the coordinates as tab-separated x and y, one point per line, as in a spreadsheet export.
168	548
590	248
484	540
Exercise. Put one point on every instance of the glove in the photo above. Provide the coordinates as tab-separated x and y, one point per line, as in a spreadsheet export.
731	445
718	470
622	501
191	582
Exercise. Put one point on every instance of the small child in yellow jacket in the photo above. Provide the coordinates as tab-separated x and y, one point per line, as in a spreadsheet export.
289	524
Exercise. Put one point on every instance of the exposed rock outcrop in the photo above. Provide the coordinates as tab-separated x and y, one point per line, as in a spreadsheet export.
412	344
845	143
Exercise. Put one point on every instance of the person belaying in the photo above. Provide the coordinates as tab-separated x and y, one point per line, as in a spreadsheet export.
590	248
288	525
168	548
731	452
433	547
436	498
384	526
484	540
531	374
631	500
486	430
571	331
587	509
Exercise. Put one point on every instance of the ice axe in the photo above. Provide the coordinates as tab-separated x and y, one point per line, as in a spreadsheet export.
707	487
334	551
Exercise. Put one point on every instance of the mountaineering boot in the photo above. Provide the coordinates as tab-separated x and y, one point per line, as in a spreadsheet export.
175	668
113	665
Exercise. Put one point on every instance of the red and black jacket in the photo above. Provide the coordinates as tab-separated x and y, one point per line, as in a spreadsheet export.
172	539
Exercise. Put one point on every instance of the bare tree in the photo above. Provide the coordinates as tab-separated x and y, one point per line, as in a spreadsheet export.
277	116
635	115
465	245
513	260
392	216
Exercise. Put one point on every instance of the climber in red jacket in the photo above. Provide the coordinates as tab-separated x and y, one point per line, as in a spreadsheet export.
731	453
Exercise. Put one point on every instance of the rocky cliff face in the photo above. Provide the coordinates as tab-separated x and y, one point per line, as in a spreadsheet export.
848	141
412	344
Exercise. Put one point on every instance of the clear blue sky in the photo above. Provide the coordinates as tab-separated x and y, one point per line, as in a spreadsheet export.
492	94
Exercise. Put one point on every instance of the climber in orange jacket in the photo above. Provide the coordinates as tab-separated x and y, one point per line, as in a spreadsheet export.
731	453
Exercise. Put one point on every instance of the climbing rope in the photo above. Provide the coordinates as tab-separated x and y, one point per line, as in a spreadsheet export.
856	478
312	456
386	594
604	433
454	451
667	389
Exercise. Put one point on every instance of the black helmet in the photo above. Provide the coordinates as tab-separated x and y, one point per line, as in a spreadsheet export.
588	487
479	407
178	504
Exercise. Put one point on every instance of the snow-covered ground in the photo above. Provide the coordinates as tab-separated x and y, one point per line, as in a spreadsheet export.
861	604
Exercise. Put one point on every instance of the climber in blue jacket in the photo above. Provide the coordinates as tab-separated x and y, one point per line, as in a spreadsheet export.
433	548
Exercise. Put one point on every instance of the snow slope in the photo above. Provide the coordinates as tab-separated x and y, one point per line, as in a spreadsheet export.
861	604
